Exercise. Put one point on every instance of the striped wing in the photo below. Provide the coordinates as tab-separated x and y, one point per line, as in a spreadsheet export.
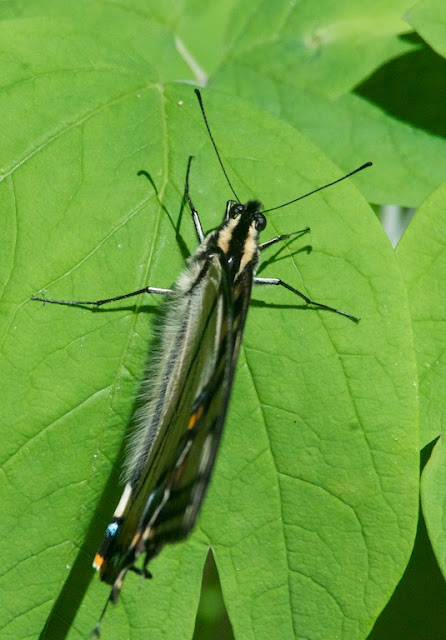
181	425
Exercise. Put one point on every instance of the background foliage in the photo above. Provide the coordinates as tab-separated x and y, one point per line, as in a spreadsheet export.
313	508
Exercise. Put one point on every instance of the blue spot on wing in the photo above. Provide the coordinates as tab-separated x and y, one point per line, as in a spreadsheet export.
111	530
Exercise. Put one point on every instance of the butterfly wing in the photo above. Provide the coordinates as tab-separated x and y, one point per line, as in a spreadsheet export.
175	448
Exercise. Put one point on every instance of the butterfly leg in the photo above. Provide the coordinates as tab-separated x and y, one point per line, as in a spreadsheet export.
285	236
279	282
194	212
144	573
99	303
113	597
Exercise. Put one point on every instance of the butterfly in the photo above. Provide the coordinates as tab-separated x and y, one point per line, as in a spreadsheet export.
179	426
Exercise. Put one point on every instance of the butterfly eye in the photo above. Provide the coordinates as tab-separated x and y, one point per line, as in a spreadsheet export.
260	222
236	211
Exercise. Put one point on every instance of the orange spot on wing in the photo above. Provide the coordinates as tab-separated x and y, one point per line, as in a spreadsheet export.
194	417
98	561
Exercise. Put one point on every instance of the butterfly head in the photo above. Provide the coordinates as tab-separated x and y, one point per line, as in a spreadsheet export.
245	215
237	237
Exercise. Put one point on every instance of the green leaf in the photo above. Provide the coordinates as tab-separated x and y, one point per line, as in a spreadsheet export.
291	61
419	596
433	492
309	45
304	512
395	119
422	256
281	546
428	17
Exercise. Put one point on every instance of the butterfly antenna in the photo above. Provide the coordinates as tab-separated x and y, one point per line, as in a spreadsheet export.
330	184
200	102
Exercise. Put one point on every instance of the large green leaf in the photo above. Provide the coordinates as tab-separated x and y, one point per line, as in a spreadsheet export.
305	514
309	44
289	58
395	119
422	256
428	17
